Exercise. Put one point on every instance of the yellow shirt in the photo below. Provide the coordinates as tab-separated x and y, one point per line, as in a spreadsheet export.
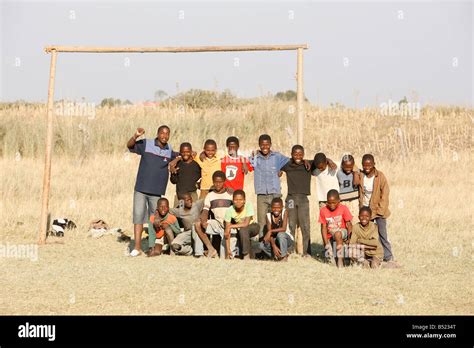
208	167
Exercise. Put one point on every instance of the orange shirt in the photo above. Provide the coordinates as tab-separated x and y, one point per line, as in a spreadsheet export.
208	167
169	219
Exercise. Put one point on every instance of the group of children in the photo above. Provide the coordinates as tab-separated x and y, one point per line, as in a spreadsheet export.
220	220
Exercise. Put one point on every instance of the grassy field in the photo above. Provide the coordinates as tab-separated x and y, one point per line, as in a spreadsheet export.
426	160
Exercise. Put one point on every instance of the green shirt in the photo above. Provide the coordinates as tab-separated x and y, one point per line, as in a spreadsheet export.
238	217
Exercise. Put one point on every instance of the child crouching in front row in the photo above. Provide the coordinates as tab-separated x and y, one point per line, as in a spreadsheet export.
365	247
164	227
277	239
335	220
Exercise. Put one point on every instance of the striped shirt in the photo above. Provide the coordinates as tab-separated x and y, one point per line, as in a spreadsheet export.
218	203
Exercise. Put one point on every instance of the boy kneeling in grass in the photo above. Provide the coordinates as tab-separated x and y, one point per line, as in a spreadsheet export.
238	220
165	226
335	219
365	247
187	213
278	238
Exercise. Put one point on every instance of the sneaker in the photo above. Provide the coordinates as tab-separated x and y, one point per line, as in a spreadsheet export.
135	253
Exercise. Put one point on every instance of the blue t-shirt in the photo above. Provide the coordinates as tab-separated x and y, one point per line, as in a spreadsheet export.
152	176
266	169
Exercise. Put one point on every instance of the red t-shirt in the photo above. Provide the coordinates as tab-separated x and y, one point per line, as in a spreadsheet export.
334	219
232	167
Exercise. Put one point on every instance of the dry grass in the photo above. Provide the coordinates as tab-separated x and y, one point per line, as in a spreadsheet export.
430	227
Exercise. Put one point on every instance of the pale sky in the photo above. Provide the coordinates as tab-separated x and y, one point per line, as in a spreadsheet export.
376	50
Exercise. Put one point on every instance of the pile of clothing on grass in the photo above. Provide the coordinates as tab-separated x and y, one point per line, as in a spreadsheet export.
97	229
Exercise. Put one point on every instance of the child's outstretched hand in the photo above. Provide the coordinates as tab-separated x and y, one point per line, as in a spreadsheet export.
267	237
172	165
139	132
356	175
328	250
157	222
276	251
173	170
331	164
202	156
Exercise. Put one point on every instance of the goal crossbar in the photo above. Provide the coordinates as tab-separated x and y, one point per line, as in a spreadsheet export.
89	49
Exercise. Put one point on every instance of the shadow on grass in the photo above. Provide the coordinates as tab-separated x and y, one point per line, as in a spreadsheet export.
144	244
317	252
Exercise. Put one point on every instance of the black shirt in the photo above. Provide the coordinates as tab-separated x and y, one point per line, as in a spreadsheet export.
186	177
298	178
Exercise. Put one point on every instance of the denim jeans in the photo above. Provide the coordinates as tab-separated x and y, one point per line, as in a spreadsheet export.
283	241
387	247
244	234
144	205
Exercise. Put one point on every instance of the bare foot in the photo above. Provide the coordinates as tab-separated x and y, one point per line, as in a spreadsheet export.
155	251
375	263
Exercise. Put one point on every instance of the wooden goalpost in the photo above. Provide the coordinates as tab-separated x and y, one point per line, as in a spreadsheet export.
54	50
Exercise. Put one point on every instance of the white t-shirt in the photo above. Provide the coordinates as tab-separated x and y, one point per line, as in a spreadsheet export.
325	181
368	189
